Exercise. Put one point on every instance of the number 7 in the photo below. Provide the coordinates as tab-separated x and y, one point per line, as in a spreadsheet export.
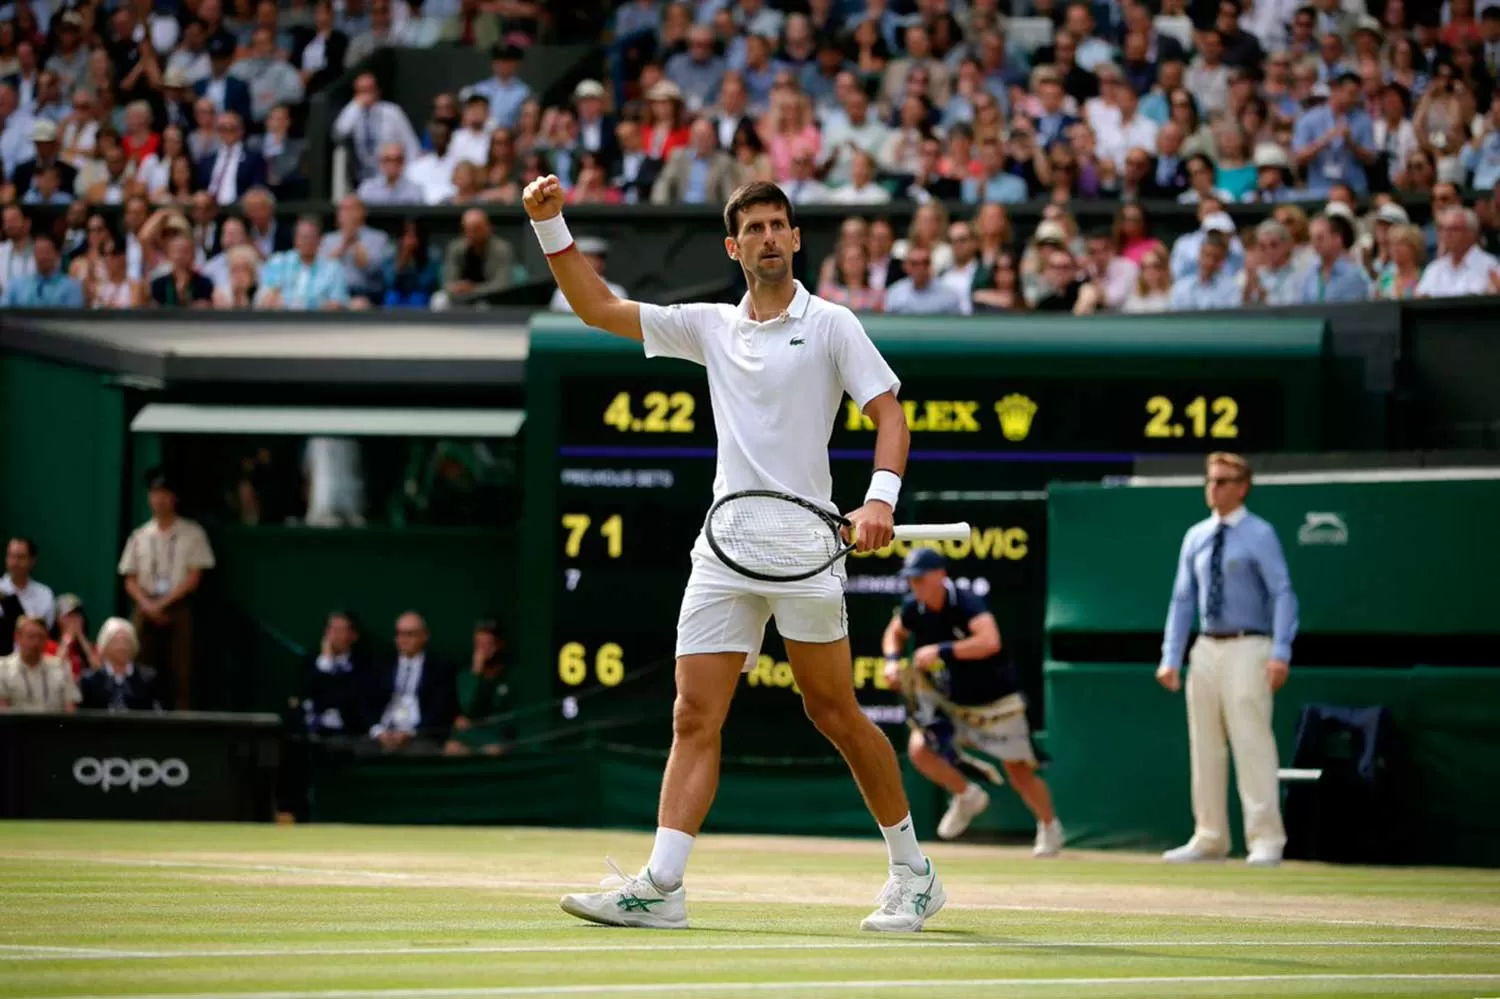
576	524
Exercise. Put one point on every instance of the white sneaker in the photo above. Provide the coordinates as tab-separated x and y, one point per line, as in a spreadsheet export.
1264	856
962	810
1191	854
907	901
1049	839
630	901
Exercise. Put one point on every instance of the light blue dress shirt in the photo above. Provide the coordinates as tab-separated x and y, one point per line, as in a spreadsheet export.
505	97
1258	592
1346	283
1336	163
55	291
303	286
1219	292
1002	188
937	299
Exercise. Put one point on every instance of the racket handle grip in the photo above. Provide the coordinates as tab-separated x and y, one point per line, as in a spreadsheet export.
933	532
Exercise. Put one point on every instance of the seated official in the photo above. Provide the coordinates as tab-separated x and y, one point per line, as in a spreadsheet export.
415	698
31	680
122	684
334	700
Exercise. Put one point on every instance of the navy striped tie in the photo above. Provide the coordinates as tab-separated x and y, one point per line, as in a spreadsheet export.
1215	607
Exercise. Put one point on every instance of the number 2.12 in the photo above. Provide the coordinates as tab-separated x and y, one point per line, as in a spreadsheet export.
664	414
1224	408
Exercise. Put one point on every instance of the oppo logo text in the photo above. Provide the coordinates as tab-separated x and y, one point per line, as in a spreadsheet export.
134	774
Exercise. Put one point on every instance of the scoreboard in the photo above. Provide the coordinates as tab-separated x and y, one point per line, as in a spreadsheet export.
620	458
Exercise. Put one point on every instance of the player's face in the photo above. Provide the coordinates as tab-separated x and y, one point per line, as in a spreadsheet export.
766	243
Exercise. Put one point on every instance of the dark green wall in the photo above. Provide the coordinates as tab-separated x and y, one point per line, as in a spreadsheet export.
62	440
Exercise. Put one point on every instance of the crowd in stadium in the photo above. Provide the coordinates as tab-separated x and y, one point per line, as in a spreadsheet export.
191	117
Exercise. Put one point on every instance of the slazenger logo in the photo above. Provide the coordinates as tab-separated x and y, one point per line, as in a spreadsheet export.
134	774
1323	529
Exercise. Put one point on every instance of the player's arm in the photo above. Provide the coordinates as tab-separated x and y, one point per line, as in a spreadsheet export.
585	290
875	522
983	640
891	644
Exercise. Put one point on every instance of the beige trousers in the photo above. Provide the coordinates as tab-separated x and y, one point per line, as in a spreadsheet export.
1229	700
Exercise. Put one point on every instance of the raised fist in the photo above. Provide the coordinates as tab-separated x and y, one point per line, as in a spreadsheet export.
543	198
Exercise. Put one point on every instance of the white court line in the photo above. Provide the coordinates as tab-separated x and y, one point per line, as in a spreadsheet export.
846	985
97	954
430	880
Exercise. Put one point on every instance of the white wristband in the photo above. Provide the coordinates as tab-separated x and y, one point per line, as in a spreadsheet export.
885	486
553	234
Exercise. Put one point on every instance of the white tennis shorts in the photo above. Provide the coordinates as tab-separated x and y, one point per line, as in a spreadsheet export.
723	611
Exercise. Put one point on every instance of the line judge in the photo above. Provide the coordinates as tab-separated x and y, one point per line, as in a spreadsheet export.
1232	570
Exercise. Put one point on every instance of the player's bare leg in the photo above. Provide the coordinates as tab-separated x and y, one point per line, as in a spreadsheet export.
705	687
824	672
655	897
1038	797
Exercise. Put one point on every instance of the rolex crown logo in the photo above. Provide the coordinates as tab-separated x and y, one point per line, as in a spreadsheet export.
1016	412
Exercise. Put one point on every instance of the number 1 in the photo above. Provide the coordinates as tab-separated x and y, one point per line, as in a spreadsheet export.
613	530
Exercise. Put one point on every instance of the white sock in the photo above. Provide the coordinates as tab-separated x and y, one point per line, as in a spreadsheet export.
972	791
669	857
901	842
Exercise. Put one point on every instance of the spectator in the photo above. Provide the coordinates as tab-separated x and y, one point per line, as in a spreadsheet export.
1401	278
297	279
319	53
113	288
996	183
47	286
1462	268
919	294
1064	288
414	273
1271	275
31	680
379	35
183	285
849	285
155	171
471	141
862	188
432	171
46	189
1335	141
1273	172
961	274
478	727
232	169
205	226
1212	286
69	60
120	683
280	154
1169	169
415	698
885	268
79	131
790	132
751	158
1113	275
163	564
1133	130
1336	278
857	131
44	139
1002	291
333	699
1185	257
225	92
271	80
472	27
596	130
369	123
73	646
35	598
666	129
391	186
87	261
266	234
1202	183
731	113
189	63
476	264
504	90
241	285
698	175
595	251
1153	288
1234	173
697	70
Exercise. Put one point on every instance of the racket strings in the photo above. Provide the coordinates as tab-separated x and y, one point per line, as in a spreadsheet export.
772	536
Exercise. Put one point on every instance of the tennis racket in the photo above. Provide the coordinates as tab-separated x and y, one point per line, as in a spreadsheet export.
779	538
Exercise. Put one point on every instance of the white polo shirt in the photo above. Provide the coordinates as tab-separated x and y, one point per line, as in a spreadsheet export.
1470	276
776	386
36	598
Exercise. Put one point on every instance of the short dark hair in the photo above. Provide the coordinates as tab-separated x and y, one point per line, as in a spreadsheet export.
1342	227
22	539
488	626
1216	238
757	192
348	615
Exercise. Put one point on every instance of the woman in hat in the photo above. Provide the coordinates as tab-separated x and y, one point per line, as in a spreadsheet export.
666	129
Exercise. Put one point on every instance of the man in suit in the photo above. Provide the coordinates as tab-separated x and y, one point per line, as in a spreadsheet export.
266	234
228	93
596	130
702	174
635	172
1233	574
476	264
319	52
44	139
414	699
336	681
233	170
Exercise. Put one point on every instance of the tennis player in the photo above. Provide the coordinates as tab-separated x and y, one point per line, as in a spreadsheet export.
778	365
967	697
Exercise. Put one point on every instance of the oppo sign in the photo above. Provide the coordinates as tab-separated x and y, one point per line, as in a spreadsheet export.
134	774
